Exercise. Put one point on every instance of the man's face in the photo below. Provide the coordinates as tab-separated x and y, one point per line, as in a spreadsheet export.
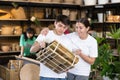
60	28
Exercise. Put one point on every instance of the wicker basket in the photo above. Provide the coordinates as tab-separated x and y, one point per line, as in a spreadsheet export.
29	72
47	0
79	2
18	13
5	48
17	30
73	15
56	1
35	0
6	30
5	15
38	13
69	1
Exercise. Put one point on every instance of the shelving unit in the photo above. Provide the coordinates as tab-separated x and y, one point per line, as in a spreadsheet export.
83	11
29	6
90	12
103	27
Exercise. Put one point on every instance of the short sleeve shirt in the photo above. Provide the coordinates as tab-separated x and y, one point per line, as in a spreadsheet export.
27	44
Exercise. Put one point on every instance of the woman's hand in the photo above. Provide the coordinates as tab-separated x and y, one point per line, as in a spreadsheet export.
44	31
86	58
20	56
77	51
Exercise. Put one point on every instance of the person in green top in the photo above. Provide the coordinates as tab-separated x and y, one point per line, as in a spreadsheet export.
26	41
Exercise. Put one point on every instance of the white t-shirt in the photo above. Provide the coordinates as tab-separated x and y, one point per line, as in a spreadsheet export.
89	48
51	36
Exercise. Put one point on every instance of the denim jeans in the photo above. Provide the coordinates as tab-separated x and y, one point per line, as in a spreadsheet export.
45	78
71	76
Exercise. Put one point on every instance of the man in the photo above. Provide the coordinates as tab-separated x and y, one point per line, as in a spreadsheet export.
61	24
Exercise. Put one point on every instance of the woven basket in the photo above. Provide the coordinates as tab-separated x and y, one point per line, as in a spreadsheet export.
29	72
56	1
47	0
73	15
5	15
6	30
35	0
18	13
68	1
79	2
17	30
5	48
38	12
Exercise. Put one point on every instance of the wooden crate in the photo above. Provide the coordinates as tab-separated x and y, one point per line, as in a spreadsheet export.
3	72
57	57
11	72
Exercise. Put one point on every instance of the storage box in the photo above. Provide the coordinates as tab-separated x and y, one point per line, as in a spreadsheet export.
16	64
11	72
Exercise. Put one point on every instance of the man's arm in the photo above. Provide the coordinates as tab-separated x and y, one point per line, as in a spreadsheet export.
35	47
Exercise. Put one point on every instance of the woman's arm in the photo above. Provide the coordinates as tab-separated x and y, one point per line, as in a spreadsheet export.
22	45
86	58
44	31
22	51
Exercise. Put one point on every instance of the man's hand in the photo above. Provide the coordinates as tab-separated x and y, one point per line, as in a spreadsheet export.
42	44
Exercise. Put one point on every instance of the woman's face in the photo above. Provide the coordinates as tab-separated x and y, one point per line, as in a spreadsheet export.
60	28
81	29
29	35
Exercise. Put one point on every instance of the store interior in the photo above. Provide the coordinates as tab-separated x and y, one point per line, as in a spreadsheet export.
15	18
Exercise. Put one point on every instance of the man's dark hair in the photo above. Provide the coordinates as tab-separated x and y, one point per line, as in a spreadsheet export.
64	19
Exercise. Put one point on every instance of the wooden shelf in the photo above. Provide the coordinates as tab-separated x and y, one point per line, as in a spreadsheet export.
9	53
13	19
1	36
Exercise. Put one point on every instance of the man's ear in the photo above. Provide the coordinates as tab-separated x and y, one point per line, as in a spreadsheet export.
88	28
66	28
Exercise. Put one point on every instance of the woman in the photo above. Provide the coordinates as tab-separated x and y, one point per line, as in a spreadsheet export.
86	50
26	41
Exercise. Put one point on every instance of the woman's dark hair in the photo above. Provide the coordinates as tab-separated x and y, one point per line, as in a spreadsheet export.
31	31
84	21
64	19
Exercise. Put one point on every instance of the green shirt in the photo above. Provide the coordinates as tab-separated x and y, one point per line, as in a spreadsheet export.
27	44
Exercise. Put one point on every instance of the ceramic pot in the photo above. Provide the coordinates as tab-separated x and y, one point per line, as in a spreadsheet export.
100	17
115	1
68	1
46	0
79	2
5	48
103	1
